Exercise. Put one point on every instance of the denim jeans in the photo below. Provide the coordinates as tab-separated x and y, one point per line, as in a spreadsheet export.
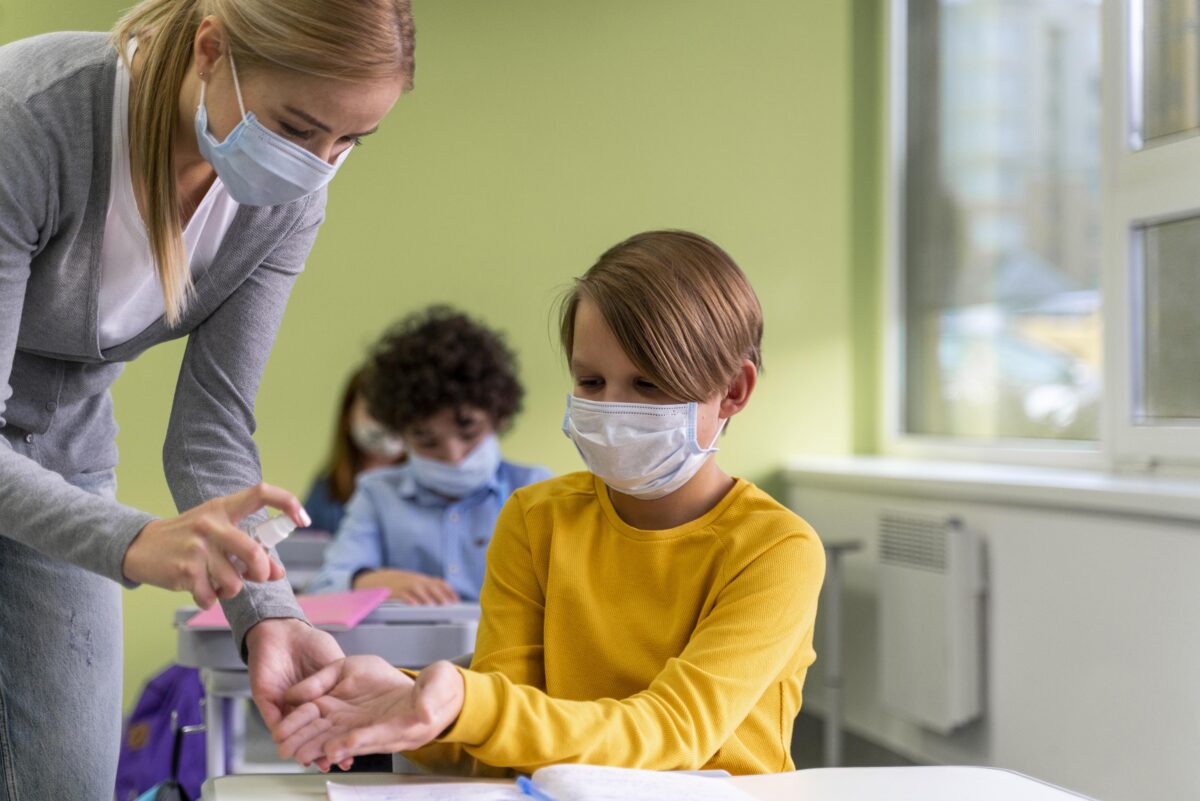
60	669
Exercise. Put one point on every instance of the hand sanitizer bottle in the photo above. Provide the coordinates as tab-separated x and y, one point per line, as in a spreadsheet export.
267	534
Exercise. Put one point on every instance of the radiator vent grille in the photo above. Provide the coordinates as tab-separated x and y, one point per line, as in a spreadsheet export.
913	540
930	584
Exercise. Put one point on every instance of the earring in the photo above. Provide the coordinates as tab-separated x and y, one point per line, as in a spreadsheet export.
204	76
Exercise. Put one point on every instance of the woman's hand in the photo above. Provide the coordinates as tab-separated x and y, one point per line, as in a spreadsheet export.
282	652
408	586
363	705
191	552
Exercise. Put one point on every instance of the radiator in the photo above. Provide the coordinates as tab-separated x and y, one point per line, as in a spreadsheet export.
930	618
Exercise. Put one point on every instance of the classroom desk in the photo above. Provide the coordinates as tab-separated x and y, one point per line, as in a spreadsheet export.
303	554
406	636
816	784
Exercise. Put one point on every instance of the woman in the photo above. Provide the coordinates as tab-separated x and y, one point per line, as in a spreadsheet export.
360	443
163	182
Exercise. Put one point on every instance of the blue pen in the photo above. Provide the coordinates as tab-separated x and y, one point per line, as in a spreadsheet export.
530	788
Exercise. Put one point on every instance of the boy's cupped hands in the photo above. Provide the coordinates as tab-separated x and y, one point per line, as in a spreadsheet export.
363	705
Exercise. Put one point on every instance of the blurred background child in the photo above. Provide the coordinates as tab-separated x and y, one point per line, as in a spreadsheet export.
360	443
448	386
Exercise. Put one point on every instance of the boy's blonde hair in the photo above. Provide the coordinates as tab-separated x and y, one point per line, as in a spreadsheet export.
351	40
680	307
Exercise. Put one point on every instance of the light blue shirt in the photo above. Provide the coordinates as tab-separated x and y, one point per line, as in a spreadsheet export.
393	522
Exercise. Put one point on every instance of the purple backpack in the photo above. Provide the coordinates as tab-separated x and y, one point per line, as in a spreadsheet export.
149	739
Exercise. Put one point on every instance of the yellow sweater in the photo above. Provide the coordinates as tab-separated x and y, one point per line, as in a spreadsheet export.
609	645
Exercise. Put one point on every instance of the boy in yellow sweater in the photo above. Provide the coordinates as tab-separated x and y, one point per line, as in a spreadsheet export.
653	612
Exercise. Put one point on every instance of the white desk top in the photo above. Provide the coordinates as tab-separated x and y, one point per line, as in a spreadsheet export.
819	784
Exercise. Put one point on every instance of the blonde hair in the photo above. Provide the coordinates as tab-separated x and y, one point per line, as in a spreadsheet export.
343	39
681	309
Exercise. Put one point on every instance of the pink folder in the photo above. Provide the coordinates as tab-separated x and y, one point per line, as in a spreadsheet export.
335	610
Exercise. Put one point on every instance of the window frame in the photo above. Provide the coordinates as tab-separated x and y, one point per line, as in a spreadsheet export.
1144	183
895	441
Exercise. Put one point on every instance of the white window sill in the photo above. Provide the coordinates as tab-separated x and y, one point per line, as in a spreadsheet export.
1093	491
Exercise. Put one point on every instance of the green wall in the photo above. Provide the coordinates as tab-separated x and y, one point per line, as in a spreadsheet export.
868	163
540	133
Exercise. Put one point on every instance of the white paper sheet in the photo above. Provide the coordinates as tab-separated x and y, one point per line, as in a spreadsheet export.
444	791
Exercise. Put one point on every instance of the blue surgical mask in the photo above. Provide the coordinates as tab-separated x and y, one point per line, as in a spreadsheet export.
258	166
646	450
462	479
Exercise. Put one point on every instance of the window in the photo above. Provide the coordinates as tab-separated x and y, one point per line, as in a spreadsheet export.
997	225
1167	377
1016	196
1152	229
1164	70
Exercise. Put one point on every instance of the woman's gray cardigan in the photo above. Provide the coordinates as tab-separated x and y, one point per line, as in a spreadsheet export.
56	96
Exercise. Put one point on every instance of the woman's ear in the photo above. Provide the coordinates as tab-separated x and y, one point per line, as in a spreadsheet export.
209	45
740	389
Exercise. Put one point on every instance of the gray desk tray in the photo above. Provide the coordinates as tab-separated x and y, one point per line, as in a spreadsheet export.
406	636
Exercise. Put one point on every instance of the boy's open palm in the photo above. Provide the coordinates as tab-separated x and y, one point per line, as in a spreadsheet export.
363	705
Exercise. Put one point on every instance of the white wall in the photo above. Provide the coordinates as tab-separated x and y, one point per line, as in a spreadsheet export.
1092	626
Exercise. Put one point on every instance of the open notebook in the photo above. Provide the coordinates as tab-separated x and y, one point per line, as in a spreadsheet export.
556	783
335	611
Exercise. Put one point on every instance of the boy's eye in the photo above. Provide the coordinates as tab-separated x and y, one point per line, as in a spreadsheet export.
589	383
645	386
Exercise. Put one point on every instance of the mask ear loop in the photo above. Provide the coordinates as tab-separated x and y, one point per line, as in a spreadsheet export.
712	446
237	87
694	429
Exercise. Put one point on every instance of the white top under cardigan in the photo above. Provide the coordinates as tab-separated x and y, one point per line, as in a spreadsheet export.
131	296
